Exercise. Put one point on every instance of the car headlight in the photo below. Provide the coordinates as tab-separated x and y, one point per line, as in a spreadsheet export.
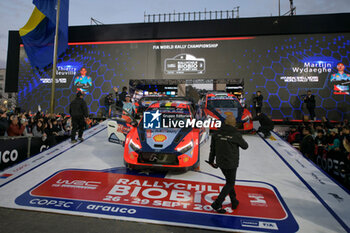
134	146
185	148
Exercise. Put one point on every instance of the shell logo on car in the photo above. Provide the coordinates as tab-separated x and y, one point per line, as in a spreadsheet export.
159	138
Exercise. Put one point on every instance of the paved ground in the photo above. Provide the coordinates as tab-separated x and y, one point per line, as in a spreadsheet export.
25	221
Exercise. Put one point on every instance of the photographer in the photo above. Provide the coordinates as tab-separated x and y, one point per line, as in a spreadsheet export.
224	148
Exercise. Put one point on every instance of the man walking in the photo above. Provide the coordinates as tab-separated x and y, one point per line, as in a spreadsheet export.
309	99
224	148
78	111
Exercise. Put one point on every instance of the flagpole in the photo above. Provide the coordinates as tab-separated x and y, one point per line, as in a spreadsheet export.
52	102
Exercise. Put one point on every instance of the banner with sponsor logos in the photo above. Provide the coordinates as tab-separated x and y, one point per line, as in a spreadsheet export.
283	67
12	151
171	201
37	145
322	185
338	168
20	168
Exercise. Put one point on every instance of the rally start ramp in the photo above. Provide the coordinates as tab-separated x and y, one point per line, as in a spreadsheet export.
278	189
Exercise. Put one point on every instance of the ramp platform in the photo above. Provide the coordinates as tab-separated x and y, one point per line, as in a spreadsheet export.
278	189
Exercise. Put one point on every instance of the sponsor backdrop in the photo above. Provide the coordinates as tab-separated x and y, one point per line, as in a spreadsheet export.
282	67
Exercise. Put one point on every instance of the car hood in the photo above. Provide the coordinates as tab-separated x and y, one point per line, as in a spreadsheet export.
162	139
224	112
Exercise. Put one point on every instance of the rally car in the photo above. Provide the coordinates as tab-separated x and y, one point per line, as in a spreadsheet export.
143	103
219	105
158	141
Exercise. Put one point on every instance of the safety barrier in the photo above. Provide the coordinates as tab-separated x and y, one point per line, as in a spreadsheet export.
14	150
338	168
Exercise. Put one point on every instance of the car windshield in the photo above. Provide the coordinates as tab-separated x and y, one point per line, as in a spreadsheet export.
147	101
151	98
228	103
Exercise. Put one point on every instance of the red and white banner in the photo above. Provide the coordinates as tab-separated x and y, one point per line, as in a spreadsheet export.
259	202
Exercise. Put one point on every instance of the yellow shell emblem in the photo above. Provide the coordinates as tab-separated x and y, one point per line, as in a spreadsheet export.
159	138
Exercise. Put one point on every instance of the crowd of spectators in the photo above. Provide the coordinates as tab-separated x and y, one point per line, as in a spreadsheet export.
325	140
51	128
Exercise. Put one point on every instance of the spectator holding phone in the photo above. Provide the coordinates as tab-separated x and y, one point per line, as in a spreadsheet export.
15	129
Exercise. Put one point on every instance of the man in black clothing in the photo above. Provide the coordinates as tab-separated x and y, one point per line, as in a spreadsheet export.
108	104
4	124
258	102
78	111
120	98
122	95
310	101
266	124
320	139
224	148
345	133
307	146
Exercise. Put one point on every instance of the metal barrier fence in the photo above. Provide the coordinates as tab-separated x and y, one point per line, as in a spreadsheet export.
14	150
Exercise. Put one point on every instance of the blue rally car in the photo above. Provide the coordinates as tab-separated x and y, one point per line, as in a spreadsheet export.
161	139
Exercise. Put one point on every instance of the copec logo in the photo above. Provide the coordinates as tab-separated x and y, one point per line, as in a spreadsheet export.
79	184
8	156
156	120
